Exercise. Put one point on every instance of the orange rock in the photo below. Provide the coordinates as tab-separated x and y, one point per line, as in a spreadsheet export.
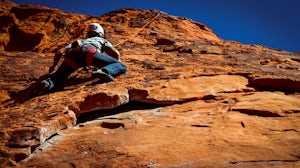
189	99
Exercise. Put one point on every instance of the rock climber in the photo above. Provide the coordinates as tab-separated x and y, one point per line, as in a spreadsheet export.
94	50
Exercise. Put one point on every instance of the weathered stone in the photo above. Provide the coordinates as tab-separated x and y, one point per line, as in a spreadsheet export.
184	90
198	101
164	137
101	99
267	104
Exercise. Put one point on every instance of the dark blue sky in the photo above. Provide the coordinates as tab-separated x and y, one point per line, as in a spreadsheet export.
271	23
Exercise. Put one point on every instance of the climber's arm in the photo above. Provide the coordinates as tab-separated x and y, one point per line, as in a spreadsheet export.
57	58
111	51
74	46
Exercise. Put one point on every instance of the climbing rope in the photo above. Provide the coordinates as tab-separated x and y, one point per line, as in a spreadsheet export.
123	42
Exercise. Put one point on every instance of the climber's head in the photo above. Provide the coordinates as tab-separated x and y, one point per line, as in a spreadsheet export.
95	30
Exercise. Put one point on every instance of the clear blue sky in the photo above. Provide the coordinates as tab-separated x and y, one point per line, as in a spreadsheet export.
272	23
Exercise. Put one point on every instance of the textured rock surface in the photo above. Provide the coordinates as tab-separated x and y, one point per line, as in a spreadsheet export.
189	99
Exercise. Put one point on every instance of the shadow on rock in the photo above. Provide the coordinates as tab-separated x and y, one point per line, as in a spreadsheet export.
131	106
23	95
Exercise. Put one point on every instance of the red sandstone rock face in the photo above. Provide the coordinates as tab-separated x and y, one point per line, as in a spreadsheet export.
189	99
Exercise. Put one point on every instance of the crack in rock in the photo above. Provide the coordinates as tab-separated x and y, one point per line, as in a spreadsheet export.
260	113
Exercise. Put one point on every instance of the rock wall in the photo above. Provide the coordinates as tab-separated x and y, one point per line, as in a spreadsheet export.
189	99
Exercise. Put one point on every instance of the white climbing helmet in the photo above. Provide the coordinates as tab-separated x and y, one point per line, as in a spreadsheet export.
96	27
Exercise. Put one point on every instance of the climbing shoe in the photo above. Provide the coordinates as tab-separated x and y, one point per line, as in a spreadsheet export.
43	88
103	75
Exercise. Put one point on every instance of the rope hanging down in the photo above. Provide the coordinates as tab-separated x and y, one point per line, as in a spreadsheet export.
123	42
